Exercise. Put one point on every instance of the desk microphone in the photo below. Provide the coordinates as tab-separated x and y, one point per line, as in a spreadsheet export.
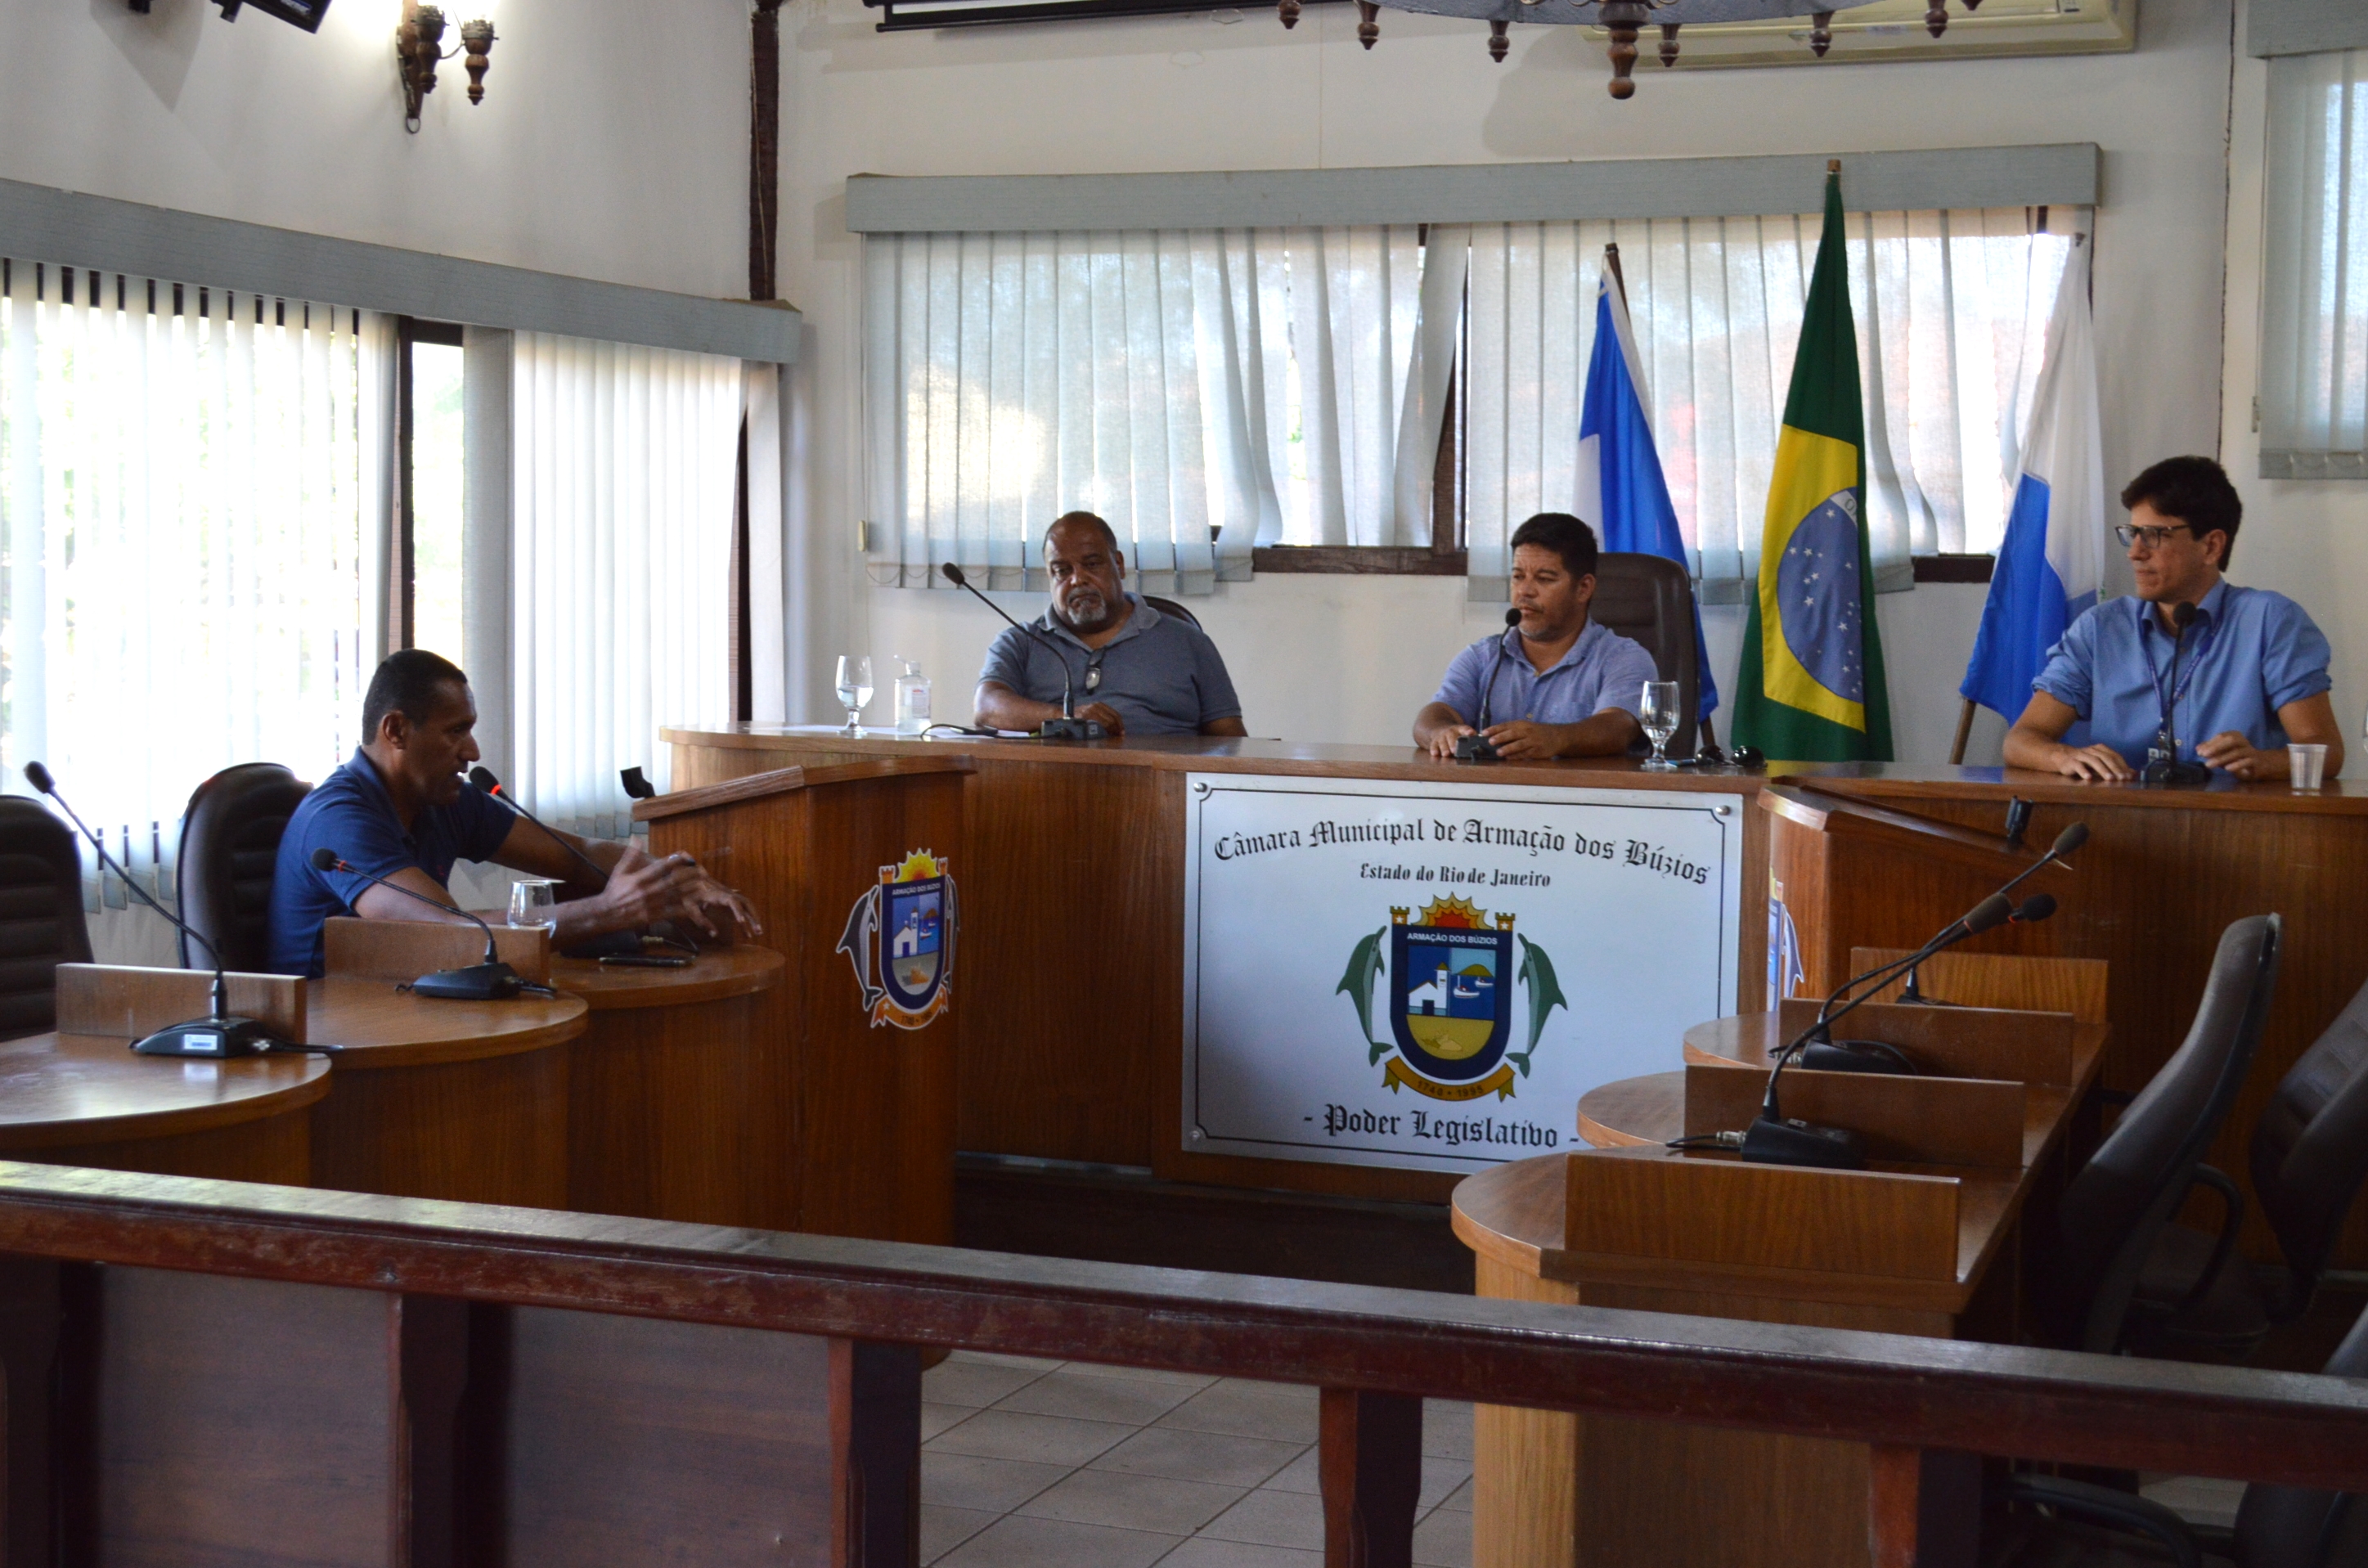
616	944
2067	842
492	980
221	1033
2163	767
1068	726
1478	747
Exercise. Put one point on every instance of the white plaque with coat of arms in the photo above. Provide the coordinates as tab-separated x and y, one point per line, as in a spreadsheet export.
1402	973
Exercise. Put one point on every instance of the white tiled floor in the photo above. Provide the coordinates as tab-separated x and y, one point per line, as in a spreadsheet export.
1047	1464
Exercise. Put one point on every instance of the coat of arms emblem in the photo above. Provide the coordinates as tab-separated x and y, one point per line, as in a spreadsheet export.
900	939
1451	1002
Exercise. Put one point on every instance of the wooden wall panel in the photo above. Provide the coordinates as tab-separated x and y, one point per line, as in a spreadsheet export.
628	1442
239	1423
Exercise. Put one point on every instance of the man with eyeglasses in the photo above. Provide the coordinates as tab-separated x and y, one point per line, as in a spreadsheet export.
2251	671
1136	670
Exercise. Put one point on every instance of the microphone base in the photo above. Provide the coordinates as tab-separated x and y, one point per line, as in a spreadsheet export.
1790	1142
1476	748
478	982
1855	1056
615	945
1072	730
214	1039
2175	776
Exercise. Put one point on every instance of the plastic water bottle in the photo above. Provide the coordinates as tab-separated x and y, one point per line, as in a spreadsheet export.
912	699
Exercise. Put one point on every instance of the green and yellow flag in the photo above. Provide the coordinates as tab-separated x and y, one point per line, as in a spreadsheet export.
1812	677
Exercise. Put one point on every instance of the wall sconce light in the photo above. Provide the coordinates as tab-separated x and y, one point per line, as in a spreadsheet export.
419	49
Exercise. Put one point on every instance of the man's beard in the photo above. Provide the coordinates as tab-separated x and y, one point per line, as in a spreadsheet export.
1084	610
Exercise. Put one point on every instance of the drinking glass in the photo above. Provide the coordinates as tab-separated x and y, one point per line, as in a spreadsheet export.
533	902
854	689
1658	714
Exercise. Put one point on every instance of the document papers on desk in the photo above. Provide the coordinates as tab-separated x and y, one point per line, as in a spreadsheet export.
1428	976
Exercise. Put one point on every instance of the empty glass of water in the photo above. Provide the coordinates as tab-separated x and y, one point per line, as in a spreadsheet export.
533	902
1658	714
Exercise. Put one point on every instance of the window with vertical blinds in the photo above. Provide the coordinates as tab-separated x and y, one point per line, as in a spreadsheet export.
181	541
2314	408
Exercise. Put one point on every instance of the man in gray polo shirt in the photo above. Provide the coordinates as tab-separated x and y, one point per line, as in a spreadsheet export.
1567	686
1136	670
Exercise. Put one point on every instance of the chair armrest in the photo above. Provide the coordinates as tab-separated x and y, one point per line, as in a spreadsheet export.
2115	1510
2232	1220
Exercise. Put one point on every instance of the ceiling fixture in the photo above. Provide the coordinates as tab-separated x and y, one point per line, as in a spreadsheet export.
419	49
1624	19
305	14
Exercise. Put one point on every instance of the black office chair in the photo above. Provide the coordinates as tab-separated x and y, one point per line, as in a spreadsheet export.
1651	599
42	922
229	849
2309	1158
1170	606
2112	1212
2277	1526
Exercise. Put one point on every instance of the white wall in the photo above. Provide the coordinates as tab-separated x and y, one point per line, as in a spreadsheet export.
1350	658
612	142
2307	538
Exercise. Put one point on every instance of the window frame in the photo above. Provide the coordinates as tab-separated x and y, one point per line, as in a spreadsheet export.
408	331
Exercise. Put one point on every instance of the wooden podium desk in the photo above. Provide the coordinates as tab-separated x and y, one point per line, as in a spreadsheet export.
2164	873
460	1100
79	1097
660	1121
1552	1490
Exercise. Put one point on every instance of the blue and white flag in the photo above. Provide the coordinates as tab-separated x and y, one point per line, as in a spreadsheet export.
2053	558
1621	489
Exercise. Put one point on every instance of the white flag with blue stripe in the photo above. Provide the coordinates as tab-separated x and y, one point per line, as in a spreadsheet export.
2052	559
1621	488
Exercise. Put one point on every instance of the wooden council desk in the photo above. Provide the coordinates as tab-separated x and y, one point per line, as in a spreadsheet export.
1073	1033
1553	1490
677	1109
84	1099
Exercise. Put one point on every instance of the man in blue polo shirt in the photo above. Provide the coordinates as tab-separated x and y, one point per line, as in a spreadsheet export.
2251	670
399	810
1139	672
1567	686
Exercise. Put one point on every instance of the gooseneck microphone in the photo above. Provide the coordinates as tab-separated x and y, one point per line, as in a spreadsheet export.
491	980
222	1033
1478	747
2067	842
1068	726
2163	766
483	778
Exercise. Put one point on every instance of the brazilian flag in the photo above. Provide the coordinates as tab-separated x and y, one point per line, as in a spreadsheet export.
1812	677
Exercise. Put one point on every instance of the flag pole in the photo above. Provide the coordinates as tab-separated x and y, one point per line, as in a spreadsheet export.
1964	729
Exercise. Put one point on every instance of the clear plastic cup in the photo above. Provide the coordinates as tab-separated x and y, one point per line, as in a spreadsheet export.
2307	764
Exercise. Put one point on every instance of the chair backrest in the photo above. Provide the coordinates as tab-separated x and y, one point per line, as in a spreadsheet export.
2291	1527
2309	1153
230	848
1650	600
2114	1209
40	915
1170	606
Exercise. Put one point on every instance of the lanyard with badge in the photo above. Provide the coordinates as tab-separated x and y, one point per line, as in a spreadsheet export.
2165	748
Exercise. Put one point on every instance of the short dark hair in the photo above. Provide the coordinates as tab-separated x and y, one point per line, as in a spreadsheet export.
2194	490
1086	519
407	683
1565	535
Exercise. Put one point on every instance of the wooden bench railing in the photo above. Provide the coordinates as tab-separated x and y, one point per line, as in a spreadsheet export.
414	1348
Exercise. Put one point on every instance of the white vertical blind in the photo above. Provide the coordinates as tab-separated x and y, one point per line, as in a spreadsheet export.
2314	276
1951	313
180	511
1274	385
625	461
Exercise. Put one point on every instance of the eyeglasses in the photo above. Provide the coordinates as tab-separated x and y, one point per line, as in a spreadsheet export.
2130	534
